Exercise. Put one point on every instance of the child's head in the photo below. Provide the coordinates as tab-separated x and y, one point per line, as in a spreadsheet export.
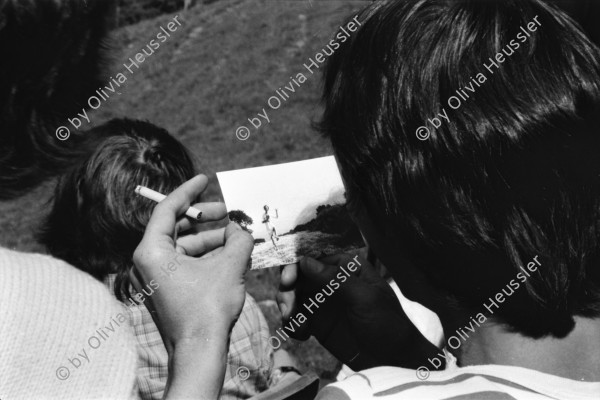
97	220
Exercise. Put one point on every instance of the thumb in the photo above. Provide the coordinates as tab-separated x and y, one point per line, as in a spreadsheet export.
315	271
320	274
238	244
336	259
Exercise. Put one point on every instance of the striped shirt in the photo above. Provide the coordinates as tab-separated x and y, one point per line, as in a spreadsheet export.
481	382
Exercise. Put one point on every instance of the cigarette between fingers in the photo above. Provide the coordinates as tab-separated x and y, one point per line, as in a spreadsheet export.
191	212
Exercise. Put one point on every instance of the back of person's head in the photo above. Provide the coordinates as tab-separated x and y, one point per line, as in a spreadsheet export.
514	173
51	62
586	13
97	220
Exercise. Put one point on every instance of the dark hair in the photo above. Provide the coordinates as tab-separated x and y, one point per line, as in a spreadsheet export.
97	220
52	58
515	173
586	12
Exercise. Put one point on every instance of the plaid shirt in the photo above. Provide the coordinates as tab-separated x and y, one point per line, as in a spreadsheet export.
249	360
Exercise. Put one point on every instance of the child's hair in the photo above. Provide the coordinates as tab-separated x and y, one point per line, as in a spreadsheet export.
97	220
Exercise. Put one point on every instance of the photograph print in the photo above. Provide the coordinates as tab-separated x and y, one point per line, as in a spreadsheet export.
292	210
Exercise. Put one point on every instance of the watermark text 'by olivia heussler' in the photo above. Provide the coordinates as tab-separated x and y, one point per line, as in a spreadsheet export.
103	333
115	83
311	305
461	336
283	94
455	102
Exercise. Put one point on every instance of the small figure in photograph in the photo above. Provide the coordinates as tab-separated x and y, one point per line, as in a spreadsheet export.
271	231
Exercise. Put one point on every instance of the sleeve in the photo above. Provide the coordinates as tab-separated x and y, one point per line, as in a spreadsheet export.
62	334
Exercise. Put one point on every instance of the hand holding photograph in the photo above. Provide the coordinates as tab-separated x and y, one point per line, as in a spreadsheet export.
292	210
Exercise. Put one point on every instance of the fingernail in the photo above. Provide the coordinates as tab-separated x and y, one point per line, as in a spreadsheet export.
236	226
282	308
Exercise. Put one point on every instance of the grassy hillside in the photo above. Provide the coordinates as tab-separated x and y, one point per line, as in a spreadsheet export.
216	71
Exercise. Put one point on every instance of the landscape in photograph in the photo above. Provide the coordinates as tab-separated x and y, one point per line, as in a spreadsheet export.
292	210
331	231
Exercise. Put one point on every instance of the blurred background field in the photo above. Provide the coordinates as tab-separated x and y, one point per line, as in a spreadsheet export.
208	78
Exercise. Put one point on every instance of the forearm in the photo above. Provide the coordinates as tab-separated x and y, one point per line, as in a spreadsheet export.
197	368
